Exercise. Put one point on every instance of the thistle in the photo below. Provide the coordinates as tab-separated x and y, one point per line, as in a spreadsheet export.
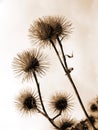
92	119
29	62
93	108
49	31
61	102
27	101
64	124
82	125
49	28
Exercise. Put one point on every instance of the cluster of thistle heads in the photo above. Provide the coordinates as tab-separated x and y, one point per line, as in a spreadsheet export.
31	63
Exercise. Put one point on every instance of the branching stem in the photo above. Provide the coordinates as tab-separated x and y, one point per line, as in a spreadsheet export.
45	113
65	67
41	112
57	115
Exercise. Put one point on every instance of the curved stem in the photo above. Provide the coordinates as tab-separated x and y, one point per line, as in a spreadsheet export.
58	55
73	84
64	58
45	113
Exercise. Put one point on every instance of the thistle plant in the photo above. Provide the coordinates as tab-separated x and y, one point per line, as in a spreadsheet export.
61	102
65	123
29	63
49	31
28	101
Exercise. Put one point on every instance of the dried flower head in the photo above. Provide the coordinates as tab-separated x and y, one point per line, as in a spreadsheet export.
82	125
41	31
60	25
92	119
93	107
64	124
29	62
61	102
27	101
49	28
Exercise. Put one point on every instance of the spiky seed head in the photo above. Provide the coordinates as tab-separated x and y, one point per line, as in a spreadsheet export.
27	101
82	125
61	102
92	119
61	26
41	31
49	28
29	62
64	124
93	107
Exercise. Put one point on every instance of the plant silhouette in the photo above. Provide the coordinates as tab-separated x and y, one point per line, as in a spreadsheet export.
50	31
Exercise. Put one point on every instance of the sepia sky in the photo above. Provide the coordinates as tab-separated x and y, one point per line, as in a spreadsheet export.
15	19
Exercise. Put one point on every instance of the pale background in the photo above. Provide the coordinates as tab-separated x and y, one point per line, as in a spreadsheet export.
15	19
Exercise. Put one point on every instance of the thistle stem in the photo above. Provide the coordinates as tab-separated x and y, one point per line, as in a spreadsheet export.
41	112
58	55
73	84
39	92
57	115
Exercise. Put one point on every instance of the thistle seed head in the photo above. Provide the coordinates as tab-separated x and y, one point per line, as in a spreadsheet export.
49	28
27	101
29	62
61	102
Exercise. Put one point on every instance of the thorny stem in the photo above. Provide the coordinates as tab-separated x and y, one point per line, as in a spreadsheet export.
73	84
46	114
